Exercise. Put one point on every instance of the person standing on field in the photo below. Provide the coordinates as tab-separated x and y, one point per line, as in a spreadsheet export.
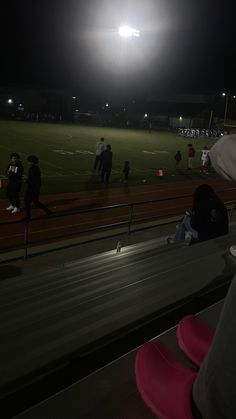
191	154
205	159
100	147
14	173
33	187
178	158
126	171
106	165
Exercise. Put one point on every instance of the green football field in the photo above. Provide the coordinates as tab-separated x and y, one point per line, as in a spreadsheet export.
66	154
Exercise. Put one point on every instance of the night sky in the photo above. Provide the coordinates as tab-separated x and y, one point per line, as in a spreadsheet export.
185	46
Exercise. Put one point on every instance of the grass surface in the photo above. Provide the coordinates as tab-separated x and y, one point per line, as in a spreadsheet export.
66	154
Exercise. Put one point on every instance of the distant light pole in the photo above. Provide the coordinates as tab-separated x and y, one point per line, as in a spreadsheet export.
210	119
226	105
10	101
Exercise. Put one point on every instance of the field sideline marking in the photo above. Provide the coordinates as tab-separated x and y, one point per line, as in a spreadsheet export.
87	173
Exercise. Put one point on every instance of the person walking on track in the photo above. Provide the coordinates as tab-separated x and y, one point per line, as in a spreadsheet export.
33	187
14	173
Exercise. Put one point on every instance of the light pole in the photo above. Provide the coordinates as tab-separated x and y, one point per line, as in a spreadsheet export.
226	106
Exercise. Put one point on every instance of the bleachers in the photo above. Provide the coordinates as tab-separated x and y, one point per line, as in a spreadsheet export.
52	323
111	392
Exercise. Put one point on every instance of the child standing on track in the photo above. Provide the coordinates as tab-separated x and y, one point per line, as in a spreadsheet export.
14	172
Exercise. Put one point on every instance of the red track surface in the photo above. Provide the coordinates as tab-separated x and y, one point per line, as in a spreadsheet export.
57	228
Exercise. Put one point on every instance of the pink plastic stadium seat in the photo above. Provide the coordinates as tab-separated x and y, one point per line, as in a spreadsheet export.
194	338
164	383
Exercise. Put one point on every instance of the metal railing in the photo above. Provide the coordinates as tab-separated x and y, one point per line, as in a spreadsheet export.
231	205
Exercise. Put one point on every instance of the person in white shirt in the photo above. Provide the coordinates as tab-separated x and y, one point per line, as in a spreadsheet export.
205	159
100	147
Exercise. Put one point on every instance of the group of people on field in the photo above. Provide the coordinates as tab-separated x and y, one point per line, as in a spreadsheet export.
200	132
103	161
205	158
14	174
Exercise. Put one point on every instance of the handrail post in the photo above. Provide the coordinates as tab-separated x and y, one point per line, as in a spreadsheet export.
26	238
130	218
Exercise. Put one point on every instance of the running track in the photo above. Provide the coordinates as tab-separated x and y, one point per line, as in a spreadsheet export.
59	228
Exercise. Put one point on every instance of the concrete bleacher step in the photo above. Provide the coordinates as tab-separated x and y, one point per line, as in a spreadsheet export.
53	318
111	392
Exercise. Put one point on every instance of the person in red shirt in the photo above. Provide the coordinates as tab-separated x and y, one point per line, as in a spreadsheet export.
191	154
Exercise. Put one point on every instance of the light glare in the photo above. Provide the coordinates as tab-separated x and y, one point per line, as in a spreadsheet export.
128	32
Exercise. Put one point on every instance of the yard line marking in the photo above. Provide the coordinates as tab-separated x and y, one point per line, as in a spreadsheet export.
41	160
161	151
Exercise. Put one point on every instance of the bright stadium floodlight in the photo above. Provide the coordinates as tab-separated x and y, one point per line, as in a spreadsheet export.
128	32
10	101
223	94
107	105
234	97
145	115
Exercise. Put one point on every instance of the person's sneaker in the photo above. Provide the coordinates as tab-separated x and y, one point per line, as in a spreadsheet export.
232	250
10	208
15	210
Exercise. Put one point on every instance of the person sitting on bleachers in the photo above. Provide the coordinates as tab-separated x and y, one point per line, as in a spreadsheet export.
207	219
209	393
214	393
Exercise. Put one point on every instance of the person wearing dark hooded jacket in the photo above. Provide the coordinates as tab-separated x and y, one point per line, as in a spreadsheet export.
214	395
33	187
207	219
106	165
209	214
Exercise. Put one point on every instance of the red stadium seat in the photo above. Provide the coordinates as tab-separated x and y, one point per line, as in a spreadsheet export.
194	338
164	383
